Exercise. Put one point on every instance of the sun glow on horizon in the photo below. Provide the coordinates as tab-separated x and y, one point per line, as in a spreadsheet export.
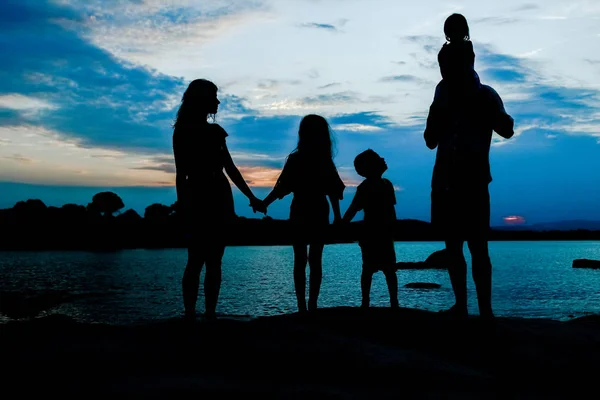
514	220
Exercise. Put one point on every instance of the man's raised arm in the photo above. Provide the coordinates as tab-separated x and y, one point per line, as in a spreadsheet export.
503	124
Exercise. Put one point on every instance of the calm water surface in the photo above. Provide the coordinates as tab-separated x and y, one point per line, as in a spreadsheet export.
531	279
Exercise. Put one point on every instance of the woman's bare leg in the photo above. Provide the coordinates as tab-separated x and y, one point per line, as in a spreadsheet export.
191	281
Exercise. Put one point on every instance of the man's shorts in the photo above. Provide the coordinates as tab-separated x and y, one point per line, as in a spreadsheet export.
461	214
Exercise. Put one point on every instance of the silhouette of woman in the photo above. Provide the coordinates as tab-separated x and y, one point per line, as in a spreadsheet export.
203	191
310	174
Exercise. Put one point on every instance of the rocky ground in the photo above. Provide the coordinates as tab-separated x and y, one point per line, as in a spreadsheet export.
341	353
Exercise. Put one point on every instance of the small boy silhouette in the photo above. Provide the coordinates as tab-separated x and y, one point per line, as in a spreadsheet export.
375	195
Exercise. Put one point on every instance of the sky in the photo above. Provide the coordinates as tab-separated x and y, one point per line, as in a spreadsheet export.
89	89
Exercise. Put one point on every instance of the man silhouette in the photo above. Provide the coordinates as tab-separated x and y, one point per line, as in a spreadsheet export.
460	124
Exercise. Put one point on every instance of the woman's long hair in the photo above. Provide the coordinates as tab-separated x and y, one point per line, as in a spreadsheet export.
315	139
194	102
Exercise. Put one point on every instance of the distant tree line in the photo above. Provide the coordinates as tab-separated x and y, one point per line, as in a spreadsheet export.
102	225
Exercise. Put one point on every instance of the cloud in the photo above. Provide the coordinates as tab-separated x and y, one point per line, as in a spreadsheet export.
19	158
162	163
260	176
504	75
156	32
329	85
313	73
422	40
285	82
85	92
527	7
495	20
16	101
405	79
55	79
365	118
358	128
49	157
312	103
327	27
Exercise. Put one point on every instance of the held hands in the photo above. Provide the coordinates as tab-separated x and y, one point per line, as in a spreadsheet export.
258	205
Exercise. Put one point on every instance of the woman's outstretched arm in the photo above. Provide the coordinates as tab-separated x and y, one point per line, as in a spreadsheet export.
238	180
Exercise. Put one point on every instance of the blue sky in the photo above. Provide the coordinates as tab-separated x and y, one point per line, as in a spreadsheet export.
88	91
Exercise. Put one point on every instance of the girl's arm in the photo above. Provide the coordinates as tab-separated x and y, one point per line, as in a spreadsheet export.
283	186
335	192
271	197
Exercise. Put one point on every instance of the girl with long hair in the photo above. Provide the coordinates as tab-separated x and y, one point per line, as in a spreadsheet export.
310	174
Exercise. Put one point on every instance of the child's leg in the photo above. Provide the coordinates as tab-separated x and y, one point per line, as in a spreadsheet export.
300	259
392	283
366	278
315	263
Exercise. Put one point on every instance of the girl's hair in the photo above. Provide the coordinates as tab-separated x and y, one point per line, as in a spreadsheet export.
194	101
315	138
456	28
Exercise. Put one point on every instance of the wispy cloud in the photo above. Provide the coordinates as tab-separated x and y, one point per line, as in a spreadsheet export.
327	27
404	79
19	158
495	20
19	102
329	85
422	40
358	128
147	32
527	7
47	156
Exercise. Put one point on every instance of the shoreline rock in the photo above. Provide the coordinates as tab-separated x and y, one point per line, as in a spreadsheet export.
586	263
436	260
